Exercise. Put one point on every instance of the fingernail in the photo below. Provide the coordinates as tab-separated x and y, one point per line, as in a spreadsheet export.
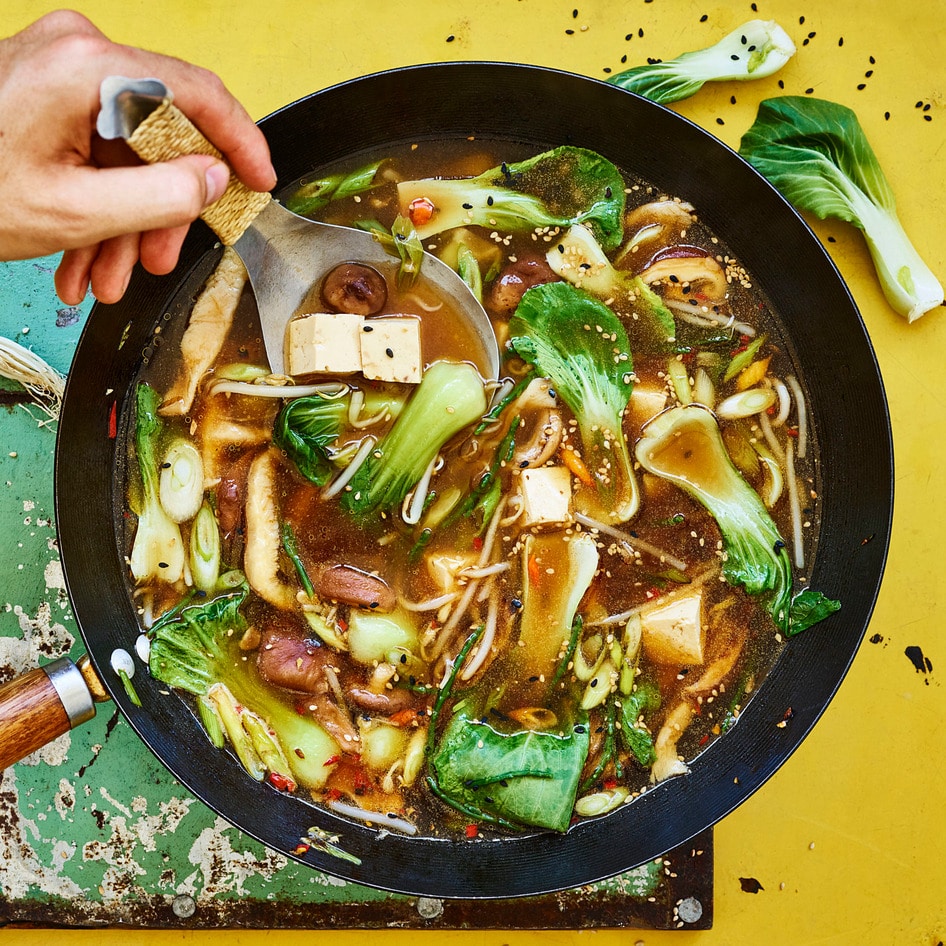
217	177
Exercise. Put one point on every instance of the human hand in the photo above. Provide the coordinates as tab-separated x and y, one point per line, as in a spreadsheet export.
64	188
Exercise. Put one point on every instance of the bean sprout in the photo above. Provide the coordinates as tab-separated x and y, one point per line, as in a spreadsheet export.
44	383
484	572
710	317
388	819
344	478
430	604
413	506
331	389
632	541
801	409
784	403
478	658
794	504
770	437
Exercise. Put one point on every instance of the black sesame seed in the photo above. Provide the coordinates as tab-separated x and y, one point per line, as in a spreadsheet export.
801	20
640	32
781	84
805	41
367	328
515	604
629	36
872	61
574	14
868	74
579	729
840	41
743	40
927	118
919	104
704	18
533	679
926	107
734	57
886	116
489	201
861	86
165	466
812	35
752	49
624	58
467	206
524	465
561	248
451	38
373	605
606	69
732	99
809	91
569	32
389	353
754	7
162	564
677	278
608	192
831	239
719	121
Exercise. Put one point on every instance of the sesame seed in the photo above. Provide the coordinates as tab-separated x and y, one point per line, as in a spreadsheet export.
451	38
704	18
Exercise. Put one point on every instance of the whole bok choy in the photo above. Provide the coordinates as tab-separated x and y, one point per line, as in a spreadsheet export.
816	153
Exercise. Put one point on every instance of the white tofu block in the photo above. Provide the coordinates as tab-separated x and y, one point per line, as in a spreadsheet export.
325	343
390	349
546	495
672	633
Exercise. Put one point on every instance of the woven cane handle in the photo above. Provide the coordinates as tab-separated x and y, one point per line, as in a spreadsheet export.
167	133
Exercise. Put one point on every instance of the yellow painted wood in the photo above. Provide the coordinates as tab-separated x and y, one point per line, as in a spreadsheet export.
846	840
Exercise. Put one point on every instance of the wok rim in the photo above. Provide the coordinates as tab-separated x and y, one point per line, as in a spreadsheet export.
722	776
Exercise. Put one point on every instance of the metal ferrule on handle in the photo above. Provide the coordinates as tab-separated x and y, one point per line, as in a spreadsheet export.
70	685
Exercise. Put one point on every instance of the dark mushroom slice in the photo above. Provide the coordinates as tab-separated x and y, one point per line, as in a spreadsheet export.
511	284
354	288
346	584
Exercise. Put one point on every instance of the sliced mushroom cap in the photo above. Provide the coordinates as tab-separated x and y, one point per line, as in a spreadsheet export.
263	542
347	584
355	288
685	277
513	282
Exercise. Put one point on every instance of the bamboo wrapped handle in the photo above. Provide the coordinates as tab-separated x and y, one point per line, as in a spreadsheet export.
167	133
40	705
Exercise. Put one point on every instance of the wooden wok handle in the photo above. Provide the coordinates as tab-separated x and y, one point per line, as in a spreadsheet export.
159	131
41	705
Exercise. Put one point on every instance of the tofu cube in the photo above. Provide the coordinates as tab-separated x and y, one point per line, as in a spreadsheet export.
325	343
390	349
546	495
672	633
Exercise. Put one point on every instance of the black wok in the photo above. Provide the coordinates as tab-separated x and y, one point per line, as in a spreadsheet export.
851	429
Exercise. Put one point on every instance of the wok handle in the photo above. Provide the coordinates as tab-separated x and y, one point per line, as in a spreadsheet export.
141	112
41	705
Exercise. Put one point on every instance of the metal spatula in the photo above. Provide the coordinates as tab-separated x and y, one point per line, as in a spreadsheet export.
284	254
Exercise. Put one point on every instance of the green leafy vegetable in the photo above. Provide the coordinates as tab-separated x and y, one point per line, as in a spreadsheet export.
307	428
809	607
524	778
314	195
644	699
195	649
752	51
816	153
582	347
554	189
205	550
157	553
684	445
577	257
450	396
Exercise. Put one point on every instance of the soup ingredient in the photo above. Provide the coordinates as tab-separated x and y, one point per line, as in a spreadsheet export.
450	396
577	257
754	50
306	429
207	328
205	550
263	536
314	195
123	665
191	649
157	553
554	189
181	481
816	153
582	347
684	445
525	778
356	288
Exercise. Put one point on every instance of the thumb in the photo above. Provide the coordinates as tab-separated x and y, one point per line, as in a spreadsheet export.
108	202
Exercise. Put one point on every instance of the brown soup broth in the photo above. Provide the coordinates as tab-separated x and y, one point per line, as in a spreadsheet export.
741	640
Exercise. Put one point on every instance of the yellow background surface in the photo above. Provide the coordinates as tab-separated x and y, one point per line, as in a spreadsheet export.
847	839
